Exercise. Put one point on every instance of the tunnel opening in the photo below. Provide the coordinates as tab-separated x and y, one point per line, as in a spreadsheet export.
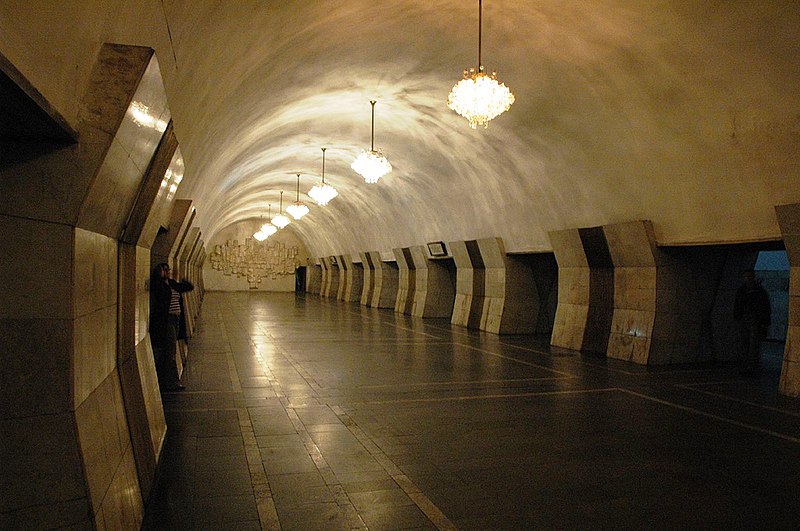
542	285
300	279
772	270
441	288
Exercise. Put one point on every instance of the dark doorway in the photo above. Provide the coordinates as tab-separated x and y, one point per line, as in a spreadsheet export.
300	279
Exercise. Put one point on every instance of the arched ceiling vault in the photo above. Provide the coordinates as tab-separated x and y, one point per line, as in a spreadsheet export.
671	111
686	113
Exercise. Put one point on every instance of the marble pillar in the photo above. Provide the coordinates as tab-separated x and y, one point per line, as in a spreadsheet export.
789	221
355	279
435	289
512	300
387	275
470	284
406	282
332	286
585	289
663	298
314	278
66	402
369	278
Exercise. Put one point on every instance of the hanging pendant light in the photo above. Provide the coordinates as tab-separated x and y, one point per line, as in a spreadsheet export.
479	97
267	229
298	209
372	165
322	193
281	220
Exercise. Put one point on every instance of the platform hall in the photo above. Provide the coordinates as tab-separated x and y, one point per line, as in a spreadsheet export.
311	266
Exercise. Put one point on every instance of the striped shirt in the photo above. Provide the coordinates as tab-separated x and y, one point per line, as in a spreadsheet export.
175	303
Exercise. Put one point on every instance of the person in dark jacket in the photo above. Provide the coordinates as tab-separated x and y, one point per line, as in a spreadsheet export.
167	324
752	310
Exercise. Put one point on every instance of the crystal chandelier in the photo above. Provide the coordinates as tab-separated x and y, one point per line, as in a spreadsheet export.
281	220
297	209
371	165
267	229
479	97
322	193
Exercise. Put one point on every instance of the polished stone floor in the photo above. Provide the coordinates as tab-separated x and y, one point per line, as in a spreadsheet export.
307	413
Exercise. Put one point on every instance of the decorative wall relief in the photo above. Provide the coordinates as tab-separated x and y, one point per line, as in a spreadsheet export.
255	260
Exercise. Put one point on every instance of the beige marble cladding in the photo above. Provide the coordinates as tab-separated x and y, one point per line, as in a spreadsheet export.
95	325
334	272
104	442
344	277
511	298
67	301
632	247
355	279
462	302
406	280
386	282
43	483
313	278
325	276
36	269
369	279
419	258
133	145
573	290
789	221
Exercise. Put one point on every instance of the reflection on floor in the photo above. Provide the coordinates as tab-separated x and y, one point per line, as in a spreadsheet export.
307	413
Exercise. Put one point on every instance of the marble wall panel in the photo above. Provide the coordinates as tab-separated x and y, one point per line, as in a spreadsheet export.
159	214
94	272
313	278
462	302
35	269
355	284
386	282
344	277
35	366
369	279
419	259
441	289
122	506
94	351
406	281
118	178
103	437
789	221
43	484
146	117
334	274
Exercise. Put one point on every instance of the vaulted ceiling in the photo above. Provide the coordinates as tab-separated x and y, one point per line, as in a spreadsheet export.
686	113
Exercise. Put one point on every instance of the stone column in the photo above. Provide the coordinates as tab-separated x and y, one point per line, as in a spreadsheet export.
369	279
512	300
470	284
67	451
435	288
355	279
407	281
663	298
137	371
332	288
585	289
386	282
314	281
789	221
343	277
325	280
183	257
